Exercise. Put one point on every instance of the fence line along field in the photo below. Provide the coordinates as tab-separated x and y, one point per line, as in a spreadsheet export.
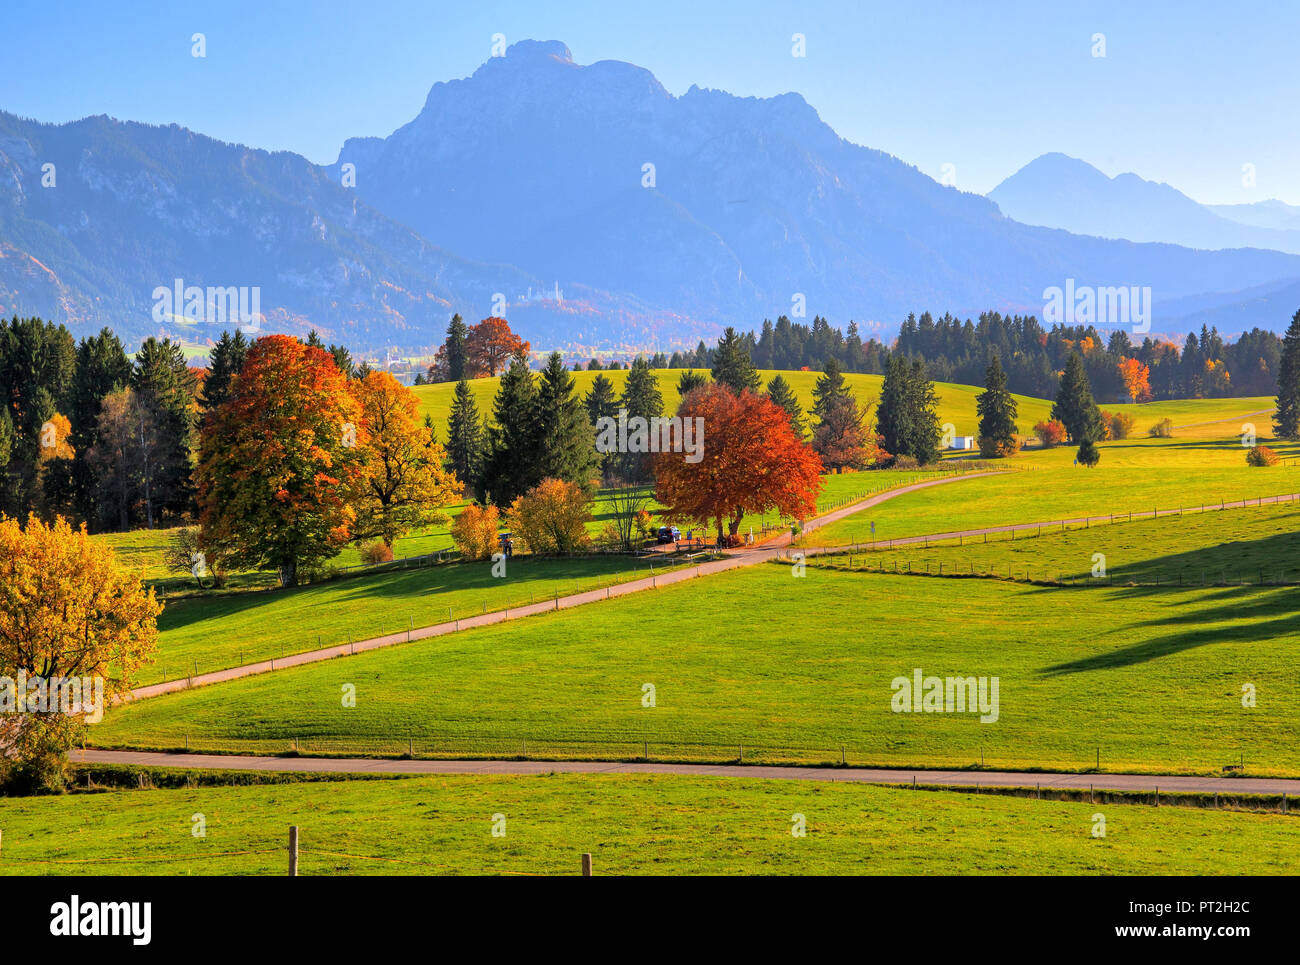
1123	677
629	824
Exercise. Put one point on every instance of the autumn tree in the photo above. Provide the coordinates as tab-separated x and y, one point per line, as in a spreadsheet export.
474	531
551	517
1136	378
489	347
842	437
67	610
751	463
279	469
403	484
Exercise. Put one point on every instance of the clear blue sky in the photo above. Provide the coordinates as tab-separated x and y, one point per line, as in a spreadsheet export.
1188	91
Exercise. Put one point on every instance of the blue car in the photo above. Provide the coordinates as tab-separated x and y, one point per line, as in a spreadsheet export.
668	534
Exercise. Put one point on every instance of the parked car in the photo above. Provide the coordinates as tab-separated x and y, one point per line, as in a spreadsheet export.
667	534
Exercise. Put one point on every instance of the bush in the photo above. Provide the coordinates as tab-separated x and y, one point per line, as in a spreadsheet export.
1162	429
474	531
1050	433
998	448
1088	454
376	551
904	462
1118	425
552	517
1261	456
185	553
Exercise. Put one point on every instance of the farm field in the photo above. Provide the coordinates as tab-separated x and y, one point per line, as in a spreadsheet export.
226	630
1135	475
1136	680
956	402
630	824
1250	544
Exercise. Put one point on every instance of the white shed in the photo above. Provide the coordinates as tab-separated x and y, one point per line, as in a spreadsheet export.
963	442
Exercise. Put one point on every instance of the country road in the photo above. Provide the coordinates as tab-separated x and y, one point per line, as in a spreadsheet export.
860	775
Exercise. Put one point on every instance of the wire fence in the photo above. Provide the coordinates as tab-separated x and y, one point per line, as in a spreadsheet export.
1082	756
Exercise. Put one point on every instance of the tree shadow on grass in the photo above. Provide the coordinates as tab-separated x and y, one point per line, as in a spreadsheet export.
1265	614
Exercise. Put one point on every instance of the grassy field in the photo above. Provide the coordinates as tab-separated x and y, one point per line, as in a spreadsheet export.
799	670
202	634
1251	544
630	824
956	402
1135	475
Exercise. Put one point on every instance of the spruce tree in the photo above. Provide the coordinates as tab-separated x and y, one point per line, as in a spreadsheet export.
565	438
510	469
465	438
641	397
102	367
997	412
780	393
1074	406
165	389
689	381
1088	454
457	334
1286	422
732	365
602	403
829	388
224	363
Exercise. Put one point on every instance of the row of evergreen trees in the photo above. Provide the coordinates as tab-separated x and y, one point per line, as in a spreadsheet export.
1032	357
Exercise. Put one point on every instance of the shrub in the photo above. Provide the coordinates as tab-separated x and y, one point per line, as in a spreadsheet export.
474	531
376	551
1088	455
1261	456
1118	425
904	462
552	517
1050	433
186	553
998	448
1162	429
643	524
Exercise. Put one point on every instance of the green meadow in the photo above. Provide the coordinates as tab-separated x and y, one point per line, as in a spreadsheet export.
1253	544
631	825
776	667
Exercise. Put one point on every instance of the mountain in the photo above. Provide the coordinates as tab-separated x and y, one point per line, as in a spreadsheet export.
129	208
586	203
1261	214
1063	192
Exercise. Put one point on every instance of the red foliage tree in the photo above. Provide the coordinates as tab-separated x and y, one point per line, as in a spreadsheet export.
751	462
490	346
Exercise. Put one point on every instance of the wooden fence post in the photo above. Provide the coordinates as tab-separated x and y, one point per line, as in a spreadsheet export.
293	851
586	864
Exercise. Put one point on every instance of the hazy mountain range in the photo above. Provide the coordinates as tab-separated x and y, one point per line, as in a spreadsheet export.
591	207
1063	192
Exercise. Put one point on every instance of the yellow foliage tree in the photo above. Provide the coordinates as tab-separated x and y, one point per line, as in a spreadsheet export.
474	531
67	610
404	484
551	517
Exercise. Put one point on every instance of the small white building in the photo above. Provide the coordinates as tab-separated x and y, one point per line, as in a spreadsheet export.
963	443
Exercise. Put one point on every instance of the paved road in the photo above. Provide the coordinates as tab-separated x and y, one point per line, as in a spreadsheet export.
324	765
735	560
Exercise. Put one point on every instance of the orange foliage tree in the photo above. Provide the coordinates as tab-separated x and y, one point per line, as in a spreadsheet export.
279	462
751	462
474	531
1137	379
490	346
403	482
